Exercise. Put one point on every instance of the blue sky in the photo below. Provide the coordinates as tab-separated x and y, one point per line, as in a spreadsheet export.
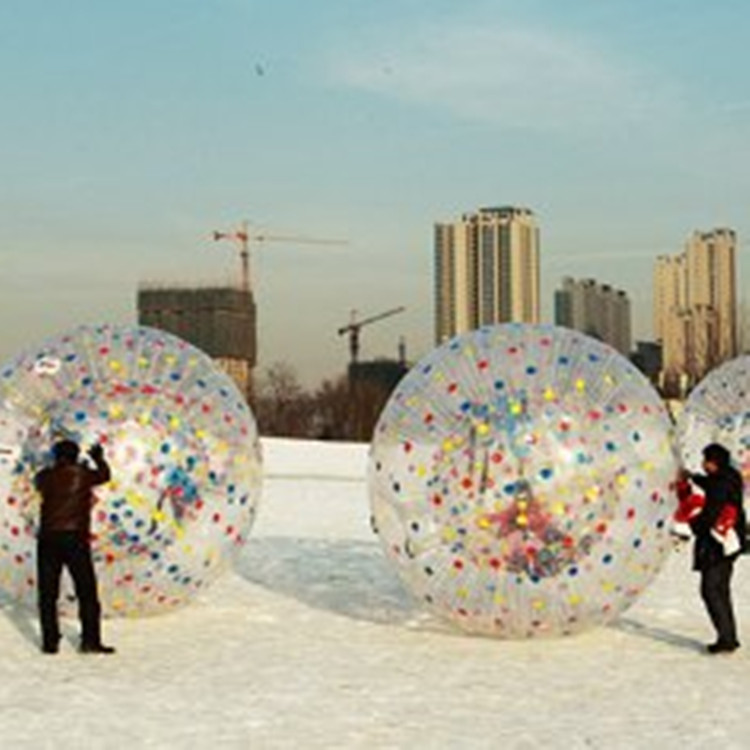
132	130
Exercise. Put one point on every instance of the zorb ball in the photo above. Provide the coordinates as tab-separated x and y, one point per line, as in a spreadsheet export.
182	446
718	411
520	481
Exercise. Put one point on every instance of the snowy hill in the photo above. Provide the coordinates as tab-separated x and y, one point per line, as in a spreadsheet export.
312	643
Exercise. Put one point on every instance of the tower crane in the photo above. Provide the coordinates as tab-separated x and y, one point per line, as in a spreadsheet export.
242	237
355	325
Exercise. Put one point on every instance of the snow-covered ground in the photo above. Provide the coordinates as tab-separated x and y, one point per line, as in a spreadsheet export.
312	643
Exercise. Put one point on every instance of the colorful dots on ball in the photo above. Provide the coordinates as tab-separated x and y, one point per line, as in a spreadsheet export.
543	540
180	439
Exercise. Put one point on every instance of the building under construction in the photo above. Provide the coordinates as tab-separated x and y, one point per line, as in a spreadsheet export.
221	321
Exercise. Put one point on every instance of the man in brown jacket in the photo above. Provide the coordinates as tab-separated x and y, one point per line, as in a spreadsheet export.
65	540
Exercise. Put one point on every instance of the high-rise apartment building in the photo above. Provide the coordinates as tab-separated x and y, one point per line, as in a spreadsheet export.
595	309
486	270
695	306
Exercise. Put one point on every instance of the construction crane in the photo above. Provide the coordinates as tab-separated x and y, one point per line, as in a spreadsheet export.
242	237
355	325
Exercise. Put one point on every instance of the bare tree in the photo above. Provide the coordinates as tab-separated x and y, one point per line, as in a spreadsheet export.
281	405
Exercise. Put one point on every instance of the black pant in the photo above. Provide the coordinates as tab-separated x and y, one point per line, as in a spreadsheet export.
715	580
72	550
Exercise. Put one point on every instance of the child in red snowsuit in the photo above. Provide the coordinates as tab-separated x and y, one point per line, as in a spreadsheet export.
691	504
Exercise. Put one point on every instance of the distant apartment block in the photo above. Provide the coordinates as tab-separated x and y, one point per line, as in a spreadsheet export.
695	306
221	321
486	270
596	309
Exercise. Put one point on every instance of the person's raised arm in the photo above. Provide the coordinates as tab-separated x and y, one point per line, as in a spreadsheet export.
102	473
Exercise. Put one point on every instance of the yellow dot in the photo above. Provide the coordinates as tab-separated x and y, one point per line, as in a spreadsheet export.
421	471
462	593
449	534
115	365
499	599
200	434
484	523
522	520
515	408
549	394
447	445
580	384
157	516
538	604
483	428
142	362
622	480
574	599
174	422
558	509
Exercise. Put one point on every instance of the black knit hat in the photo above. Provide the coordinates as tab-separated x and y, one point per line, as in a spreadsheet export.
718	454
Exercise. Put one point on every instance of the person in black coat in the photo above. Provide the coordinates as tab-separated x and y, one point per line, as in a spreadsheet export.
64	541
722	486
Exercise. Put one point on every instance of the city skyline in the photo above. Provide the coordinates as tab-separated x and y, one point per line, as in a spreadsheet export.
133	132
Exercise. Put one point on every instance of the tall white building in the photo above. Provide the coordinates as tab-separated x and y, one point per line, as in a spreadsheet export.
598	310
695	306
486	270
